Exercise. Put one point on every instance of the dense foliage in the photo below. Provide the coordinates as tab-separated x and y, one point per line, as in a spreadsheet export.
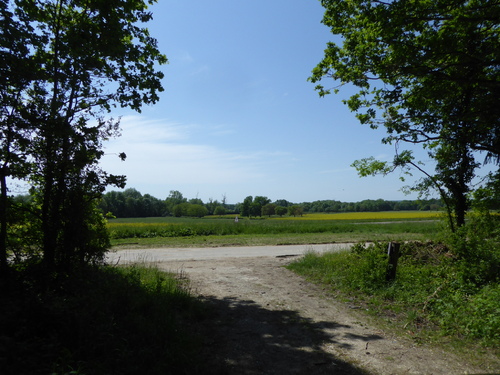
131	203
371	205
433	288
65	65
428	71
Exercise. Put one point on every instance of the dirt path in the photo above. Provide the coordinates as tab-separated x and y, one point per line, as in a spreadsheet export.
267	320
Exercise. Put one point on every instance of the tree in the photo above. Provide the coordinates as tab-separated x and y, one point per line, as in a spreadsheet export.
211	205
15	77
131	203
487	197
132	193
268	209
295	210
258	203
174	198
113	202
196	201
152	206
255	209
197	210
188	209
90	57
428	72
262	200
219	210
245	206
282	203
180	209
280	210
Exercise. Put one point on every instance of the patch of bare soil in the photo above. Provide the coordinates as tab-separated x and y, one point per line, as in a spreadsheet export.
267	320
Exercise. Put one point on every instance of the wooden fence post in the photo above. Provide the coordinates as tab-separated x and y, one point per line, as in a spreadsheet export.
393	254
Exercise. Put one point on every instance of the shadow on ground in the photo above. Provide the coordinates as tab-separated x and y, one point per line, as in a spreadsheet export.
245	338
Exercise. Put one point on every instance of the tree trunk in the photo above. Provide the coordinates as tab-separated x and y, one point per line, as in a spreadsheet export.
48	218
461	206
3	221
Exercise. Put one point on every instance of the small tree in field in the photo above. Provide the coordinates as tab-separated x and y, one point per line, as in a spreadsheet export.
219	210
245	209
269	209
196	210
257	204
180	209
280	210
295	210
174	198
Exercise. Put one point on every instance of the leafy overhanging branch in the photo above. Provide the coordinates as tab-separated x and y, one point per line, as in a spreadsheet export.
426	71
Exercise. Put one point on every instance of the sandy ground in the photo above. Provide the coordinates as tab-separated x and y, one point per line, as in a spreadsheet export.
267	320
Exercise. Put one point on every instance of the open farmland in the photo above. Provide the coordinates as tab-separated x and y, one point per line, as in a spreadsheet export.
372	216
310	228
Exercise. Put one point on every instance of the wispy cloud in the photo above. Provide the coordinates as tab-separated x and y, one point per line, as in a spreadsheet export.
200	70
184	56
137	129
160	151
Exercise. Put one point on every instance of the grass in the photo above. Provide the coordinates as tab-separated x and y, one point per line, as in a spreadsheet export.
352	216
108	320
435	297
128	320
265	239
315	228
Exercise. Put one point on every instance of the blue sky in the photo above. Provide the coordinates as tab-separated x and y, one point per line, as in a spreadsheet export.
238	116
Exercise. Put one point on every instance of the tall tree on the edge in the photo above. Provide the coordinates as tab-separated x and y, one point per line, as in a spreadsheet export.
429	72
92	57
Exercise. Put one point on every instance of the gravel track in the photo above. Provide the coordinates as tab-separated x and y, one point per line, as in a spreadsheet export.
268	320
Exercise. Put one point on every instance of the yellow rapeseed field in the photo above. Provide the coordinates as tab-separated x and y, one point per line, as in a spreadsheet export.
386	215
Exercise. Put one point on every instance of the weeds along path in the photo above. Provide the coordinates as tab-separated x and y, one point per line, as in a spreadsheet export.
267	320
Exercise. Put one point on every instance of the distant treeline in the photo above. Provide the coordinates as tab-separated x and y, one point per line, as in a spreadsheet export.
131	203
370	205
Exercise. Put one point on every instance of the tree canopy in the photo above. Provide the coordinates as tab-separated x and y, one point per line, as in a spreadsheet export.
68	64
428	71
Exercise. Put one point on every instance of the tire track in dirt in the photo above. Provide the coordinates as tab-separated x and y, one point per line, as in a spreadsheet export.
267	320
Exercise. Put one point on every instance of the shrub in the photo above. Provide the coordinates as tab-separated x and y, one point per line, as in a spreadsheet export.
481	317
477	248
371	265
459	295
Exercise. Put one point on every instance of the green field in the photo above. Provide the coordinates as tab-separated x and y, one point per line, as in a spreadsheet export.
307	229
440	295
